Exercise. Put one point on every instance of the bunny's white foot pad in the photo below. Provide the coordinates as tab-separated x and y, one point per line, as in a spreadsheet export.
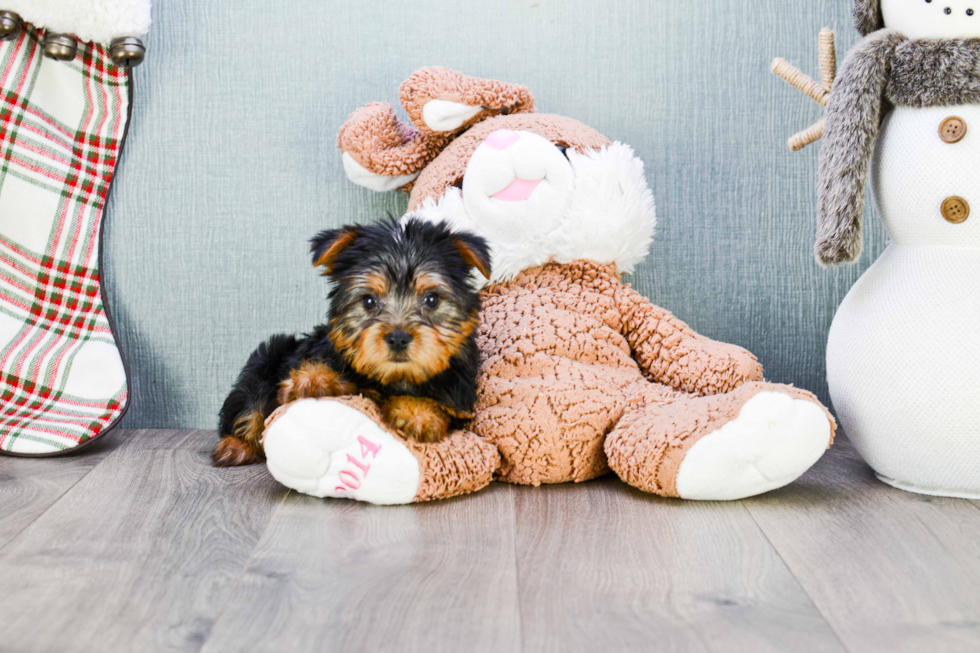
328	449
774	439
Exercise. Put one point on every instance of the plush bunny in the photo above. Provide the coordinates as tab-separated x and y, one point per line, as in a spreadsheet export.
579	372
903	362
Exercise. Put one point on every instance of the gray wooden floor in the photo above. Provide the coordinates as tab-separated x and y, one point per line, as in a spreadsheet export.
139	545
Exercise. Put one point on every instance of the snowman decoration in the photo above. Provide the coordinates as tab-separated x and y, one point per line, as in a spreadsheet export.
903	355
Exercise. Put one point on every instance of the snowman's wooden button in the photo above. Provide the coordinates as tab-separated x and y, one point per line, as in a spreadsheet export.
952	130
956	209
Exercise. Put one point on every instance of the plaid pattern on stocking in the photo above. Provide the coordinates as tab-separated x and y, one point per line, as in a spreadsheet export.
62	378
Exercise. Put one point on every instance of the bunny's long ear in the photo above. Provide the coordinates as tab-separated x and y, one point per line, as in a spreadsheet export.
382	153
441	101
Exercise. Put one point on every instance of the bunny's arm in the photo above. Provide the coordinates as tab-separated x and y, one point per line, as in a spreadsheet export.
670	352
854	113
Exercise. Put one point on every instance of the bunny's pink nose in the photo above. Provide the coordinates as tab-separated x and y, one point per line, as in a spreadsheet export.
502	139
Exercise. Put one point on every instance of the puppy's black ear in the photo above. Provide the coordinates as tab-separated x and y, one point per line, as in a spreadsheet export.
475	252
327	245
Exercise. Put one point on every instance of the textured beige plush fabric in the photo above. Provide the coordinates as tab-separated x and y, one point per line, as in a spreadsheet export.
659	426
438	83
377	140
572	355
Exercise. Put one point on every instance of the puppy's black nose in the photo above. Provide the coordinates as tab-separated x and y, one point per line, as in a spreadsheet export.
398	340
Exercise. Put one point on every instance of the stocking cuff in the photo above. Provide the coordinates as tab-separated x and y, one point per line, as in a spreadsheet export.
90	20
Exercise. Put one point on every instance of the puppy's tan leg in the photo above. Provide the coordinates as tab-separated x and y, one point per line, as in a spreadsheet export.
420	419
313	379
243	447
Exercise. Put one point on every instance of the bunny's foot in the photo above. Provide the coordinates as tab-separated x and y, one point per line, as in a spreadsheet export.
752	440
340	448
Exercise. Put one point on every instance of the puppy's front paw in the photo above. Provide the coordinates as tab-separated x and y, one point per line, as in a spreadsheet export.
232	451
311	380
423	420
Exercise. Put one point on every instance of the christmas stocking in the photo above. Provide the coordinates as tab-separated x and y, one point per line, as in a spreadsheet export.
64	111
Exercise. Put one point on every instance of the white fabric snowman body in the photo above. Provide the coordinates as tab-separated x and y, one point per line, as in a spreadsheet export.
903	357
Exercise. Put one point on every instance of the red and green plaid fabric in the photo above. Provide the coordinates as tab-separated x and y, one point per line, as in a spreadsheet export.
62	378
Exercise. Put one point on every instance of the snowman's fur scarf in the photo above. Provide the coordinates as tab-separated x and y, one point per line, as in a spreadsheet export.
89	20
885	69
934	73
867	16
611	217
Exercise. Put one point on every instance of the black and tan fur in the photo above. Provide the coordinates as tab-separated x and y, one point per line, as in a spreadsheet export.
402	331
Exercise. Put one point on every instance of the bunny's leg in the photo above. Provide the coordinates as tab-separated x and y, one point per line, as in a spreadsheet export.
756	438
341	448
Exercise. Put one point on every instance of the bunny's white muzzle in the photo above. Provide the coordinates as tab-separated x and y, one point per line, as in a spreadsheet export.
517	185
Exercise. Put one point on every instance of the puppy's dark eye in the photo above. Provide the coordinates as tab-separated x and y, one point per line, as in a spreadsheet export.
431	300
370	302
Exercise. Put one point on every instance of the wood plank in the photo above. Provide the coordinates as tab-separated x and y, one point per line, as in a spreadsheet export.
605	567
342	576
140	555
29	486
889	570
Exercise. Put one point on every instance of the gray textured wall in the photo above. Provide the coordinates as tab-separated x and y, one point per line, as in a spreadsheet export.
231	164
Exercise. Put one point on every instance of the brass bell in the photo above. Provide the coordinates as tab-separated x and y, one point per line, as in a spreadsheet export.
10	25
60	47
127	51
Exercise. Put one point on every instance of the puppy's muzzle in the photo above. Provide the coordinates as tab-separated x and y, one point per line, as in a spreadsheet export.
398	341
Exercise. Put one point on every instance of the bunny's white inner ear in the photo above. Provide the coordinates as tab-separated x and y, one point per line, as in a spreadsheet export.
371	180
447	116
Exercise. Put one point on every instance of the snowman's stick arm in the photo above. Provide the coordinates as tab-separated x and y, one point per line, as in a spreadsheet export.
819	92
810	135
828	59
796	77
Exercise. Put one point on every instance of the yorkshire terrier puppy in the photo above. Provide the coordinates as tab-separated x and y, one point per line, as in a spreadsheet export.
401	330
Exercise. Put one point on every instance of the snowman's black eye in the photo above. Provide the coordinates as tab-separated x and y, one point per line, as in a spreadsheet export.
969	12
948	11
